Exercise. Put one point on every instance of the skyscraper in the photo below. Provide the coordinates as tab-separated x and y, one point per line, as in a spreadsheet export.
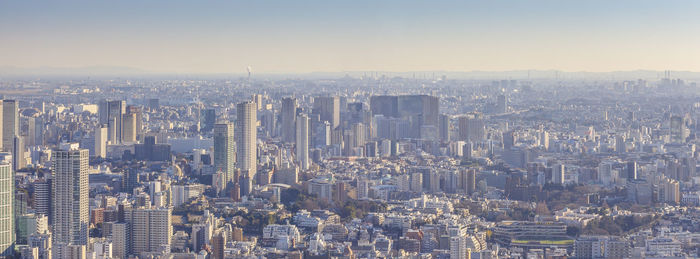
302	141
7	198
558	174
101	142
10	123
468	180
677	129
288	117
246	138
18	161
129	128
70	194
224	154
329	109
112	114
208	120
631	170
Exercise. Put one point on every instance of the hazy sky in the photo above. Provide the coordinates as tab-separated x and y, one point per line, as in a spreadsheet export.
293	36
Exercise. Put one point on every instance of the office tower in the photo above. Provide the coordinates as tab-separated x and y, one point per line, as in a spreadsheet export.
321	133
208	120
18	159
257	99
42	197
151	151
558	174
371	149
154	104
509	140
444	127
246	138
224	153
129	128
631	170
359	135
70	193
39	129
101	142
150	229
246	184
328	107
418	110
112	114
7	199
130	179
471	128
288	117
502	104
468	181
10	123
544	139
28	126
302	141
620	146
135	115
677	129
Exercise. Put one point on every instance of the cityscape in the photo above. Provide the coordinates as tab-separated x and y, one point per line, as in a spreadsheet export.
147	160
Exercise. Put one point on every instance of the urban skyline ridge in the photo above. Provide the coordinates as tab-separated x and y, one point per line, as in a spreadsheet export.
100	71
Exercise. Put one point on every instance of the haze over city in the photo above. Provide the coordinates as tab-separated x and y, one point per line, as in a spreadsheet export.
335	36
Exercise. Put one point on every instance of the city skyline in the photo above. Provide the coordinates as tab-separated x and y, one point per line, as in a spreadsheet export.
316	36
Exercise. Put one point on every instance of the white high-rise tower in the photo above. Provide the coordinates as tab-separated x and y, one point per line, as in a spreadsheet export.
246	138
70	193
302	141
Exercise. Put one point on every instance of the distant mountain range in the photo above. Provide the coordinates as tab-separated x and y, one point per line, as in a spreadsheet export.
116	71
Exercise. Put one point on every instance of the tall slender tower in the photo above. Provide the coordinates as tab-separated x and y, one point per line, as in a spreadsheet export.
10	123
224	159
7	198
288	114
302	141
70	194
246	138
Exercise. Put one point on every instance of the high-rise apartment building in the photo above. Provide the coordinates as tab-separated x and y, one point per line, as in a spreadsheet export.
224	152
302	141
150	229
70	193
7	217
246	138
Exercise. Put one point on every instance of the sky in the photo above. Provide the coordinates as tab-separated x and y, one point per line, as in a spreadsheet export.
299	36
